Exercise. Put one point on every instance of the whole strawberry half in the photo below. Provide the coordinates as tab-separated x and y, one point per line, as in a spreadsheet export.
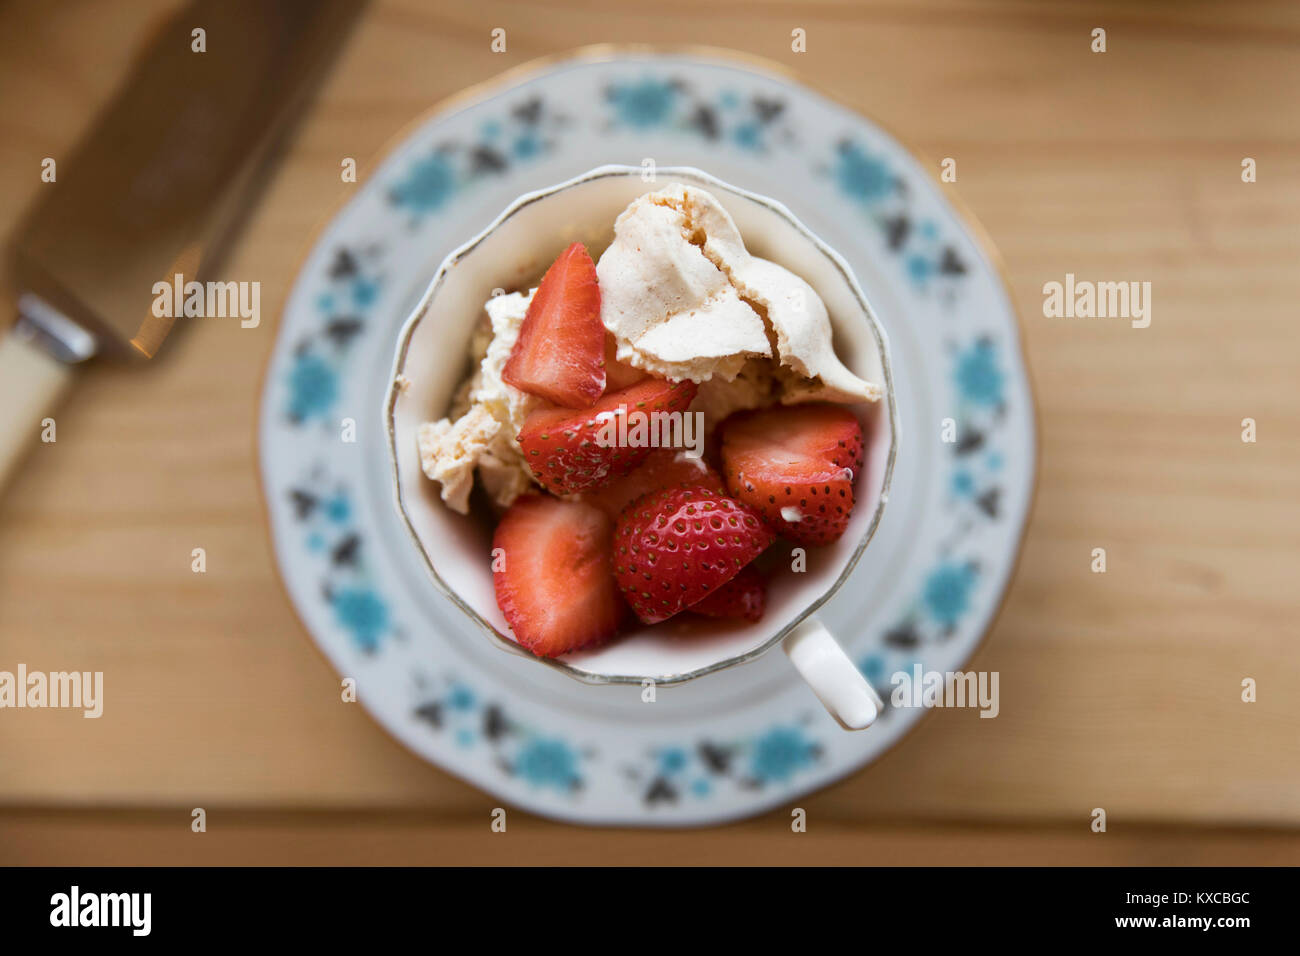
560	352
570	452
795	465
554	574
663	468
743	597
674	547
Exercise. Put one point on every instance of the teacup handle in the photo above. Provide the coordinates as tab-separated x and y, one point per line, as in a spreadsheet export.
838	684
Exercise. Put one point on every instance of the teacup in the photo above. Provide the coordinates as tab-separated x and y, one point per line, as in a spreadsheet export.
431	361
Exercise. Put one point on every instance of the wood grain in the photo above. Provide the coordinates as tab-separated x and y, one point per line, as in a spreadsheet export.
1119	690
158	838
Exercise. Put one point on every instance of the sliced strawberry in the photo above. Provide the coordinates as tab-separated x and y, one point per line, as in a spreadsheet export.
674	547
662	468
560	352
795	464
554	574
744	596
571	452
619	375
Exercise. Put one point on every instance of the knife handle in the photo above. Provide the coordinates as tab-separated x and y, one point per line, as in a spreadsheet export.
32	383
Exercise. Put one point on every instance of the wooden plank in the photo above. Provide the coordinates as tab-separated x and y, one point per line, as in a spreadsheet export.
149	838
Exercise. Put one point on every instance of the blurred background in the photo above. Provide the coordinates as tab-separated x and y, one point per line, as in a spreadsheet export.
1128	681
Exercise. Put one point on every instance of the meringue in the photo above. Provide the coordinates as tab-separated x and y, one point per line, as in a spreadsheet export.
449	452
684	299
487	413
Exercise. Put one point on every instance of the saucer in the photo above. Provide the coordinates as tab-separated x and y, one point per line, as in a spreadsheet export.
730	744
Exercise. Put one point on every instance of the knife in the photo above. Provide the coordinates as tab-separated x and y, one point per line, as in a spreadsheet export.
155	192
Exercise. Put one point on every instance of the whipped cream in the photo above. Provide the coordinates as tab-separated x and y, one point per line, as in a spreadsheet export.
684	299
487	413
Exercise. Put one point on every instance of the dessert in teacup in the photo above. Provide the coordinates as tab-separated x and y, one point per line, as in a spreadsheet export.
641	428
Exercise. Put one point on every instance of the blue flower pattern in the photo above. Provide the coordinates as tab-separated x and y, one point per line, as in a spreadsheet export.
643	103
772	758
861	176
360	610
548	763
781	753
947	592
542	760
313	387
522	134
867	180
754	124
979	379
979	384
363	614
429	184
315	379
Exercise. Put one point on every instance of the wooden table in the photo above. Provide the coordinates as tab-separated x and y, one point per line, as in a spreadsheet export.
1122	690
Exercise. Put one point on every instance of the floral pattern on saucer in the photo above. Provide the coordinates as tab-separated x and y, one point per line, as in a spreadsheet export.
519	751
327	515
352	579
755	122
524	132
348	291
771	758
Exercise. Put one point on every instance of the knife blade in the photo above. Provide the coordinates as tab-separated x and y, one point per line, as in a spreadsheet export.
157	189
